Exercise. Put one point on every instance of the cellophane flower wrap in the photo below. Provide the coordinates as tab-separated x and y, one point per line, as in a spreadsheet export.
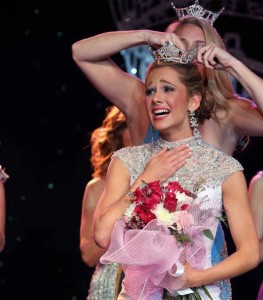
163	227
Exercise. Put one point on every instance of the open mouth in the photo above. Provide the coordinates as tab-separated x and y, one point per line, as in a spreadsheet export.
161	112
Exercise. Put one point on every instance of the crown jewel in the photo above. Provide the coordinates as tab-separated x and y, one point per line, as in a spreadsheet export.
196	10
169	52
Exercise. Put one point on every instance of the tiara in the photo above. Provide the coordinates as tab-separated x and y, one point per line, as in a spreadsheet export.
196	10
169	52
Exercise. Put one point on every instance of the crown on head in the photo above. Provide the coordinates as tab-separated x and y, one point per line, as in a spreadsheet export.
169	52
196	10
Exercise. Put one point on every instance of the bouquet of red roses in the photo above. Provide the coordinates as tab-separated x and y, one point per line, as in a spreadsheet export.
167	204
161	220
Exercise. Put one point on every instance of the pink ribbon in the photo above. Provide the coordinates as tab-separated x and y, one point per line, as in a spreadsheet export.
150	259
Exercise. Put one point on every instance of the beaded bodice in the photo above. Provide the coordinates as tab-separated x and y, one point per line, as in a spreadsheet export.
203	173
207	167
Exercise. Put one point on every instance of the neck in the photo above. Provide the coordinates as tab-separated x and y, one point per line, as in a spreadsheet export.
175	137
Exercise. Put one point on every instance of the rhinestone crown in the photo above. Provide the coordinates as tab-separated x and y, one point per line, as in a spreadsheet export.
196	10
169	52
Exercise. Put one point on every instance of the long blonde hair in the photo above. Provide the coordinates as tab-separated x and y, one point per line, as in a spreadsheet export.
218	82
106	139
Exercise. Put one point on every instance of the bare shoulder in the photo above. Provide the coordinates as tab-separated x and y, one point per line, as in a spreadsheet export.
93	191
255	192
257	181
95	185
95	182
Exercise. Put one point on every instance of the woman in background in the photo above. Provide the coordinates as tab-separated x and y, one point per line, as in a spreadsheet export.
3	178
109	137
255	193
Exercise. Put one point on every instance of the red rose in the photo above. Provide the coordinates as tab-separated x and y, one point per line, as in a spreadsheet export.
174	186
147	216
150	195
155	192
144	214
140	196
170	202
154	185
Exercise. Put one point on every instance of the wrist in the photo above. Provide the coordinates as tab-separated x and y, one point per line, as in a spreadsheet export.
137	37
235	66
138	183
146	36
130	196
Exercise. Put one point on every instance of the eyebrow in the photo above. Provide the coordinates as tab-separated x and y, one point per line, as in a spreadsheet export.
161	81
167	82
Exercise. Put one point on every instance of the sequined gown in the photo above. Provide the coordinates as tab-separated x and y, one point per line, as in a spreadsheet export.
204	172
103	281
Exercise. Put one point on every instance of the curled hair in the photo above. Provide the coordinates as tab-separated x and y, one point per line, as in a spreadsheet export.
106	139
193	81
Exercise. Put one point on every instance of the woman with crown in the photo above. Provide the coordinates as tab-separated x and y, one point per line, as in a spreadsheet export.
232	117
177	264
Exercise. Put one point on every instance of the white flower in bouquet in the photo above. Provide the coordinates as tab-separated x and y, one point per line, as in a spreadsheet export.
163	215
183	198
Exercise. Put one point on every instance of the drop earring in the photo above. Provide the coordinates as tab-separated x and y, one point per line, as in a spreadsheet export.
153	134
194	125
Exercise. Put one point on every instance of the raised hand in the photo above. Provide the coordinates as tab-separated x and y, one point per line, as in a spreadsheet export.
157	39
213	57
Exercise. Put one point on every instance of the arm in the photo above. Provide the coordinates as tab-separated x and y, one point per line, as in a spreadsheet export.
251	82
114	200
243	233
2	216
92	55
246	117
90	251
255	193
112	203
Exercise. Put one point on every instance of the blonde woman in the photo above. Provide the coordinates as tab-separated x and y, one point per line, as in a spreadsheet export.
233	117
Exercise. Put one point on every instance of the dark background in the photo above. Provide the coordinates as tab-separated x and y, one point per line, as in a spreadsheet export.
48	110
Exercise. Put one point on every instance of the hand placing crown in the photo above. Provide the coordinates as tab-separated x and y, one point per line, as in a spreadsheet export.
169	52
196	10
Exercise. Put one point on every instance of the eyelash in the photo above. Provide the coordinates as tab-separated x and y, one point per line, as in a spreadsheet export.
165	89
